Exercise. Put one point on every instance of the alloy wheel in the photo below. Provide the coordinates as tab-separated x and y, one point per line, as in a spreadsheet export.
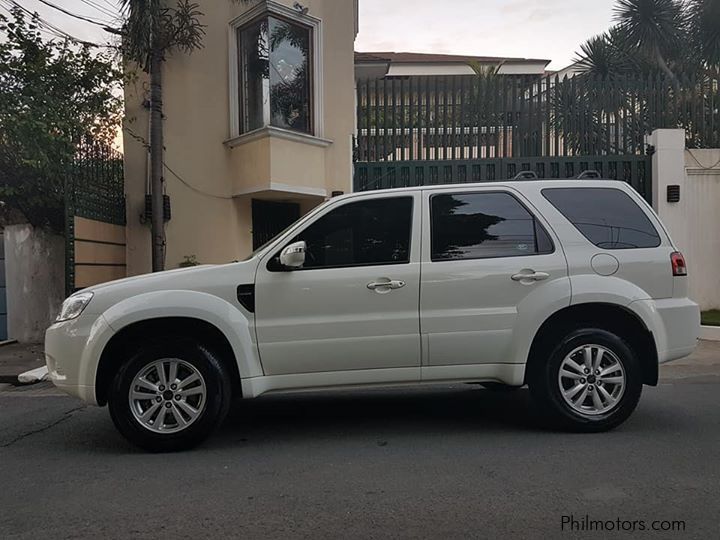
167	395
592	380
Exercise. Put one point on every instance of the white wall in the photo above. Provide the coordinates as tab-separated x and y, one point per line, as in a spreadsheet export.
694	222
35	276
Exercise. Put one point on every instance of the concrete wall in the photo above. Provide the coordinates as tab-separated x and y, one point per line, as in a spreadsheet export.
220	175
35	275
694	222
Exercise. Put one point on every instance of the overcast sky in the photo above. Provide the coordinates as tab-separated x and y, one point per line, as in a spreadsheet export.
551	29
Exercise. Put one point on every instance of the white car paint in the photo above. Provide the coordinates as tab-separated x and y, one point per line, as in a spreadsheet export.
451	321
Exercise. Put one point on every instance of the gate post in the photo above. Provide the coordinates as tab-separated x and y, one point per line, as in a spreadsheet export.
668	169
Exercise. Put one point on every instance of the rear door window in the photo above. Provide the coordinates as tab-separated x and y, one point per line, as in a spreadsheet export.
607	217
484	225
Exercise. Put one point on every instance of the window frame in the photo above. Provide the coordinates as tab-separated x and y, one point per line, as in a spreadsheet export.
242	119
273	265
629	197
532	214
272	8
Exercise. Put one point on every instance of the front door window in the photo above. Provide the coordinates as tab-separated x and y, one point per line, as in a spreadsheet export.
366	233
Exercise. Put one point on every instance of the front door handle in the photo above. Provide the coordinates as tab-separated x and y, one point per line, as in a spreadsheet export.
385	285
529	275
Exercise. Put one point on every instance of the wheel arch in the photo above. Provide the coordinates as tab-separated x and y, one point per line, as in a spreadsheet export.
209	319
616	318
130	338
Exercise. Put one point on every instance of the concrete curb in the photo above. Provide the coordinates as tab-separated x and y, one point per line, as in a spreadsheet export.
710	333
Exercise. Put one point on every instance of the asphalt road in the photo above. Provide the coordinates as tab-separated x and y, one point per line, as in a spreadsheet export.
444	462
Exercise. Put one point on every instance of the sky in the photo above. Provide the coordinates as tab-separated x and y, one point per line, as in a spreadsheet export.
547	29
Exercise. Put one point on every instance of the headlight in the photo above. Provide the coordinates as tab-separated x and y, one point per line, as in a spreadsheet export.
73	306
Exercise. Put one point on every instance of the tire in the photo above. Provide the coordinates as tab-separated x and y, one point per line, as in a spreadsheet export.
204	403
618	391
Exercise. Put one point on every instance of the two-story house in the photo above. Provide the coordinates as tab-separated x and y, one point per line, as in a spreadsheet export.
258	124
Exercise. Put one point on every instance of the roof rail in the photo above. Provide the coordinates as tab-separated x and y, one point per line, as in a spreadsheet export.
588	175
526	175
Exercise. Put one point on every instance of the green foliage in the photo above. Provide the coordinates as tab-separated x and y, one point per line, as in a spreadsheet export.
153	27
52	94
705	21
606	56
672	37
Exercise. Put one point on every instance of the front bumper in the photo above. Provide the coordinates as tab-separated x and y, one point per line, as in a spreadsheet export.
72	354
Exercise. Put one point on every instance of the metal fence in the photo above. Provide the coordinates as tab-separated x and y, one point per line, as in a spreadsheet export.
491	117
633	169
94	189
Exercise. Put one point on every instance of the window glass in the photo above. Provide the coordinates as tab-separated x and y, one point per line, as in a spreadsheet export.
484	225
255	67
607	217
372	232
275	75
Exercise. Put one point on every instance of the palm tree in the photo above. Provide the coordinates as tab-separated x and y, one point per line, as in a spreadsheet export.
705	24
657	28
605	57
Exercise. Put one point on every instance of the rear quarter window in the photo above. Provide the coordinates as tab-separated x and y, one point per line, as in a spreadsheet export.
607	217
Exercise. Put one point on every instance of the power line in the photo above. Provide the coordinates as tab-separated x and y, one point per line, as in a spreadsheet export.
51	28
103	24
193	188
101	9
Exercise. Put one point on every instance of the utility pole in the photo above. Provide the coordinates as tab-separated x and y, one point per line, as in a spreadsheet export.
156	162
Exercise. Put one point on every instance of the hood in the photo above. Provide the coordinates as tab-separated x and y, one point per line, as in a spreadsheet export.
219	280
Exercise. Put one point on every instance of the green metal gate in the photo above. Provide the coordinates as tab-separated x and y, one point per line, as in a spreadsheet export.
633	169
424	130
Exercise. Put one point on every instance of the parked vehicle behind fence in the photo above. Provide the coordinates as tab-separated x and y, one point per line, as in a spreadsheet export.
572	287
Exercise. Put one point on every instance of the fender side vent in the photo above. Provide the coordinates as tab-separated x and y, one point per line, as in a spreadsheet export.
246	297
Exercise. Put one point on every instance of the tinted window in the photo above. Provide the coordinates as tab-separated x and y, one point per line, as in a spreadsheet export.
363	233
607	217
482	225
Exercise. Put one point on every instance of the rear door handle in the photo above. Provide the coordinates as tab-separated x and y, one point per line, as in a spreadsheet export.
530	276
389	284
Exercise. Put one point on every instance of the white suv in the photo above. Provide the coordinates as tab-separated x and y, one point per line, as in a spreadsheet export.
572	287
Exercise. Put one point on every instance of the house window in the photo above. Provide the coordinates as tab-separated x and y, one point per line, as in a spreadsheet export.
275	75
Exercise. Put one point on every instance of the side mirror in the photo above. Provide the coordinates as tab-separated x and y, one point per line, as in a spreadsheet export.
293	256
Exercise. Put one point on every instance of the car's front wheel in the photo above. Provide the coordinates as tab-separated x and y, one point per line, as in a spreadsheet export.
170	395
591	381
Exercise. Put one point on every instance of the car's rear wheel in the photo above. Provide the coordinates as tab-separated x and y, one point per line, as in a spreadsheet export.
170	395
590	382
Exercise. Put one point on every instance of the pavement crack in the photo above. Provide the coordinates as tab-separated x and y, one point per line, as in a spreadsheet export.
51	425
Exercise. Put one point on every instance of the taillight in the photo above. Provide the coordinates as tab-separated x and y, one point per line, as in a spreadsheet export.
678	264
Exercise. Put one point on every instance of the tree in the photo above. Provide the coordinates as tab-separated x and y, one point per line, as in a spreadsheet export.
705	24
656	28
604	55
670	37
52	95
